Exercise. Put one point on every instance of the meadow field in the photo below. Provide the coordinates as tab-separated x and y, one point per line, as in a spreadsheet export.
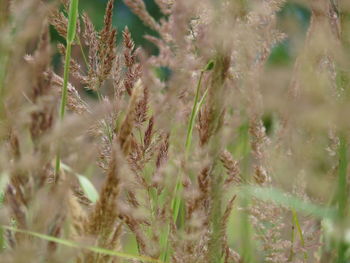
174	131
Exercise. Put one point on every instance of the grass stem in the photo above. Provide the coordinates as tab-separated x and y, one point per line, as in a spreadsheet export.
72	23
300	231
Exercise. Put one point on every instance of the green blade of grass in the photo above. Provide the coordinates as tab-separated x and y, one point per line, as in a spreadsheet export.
291	254
342	173
279	197
88	188
242	149
342	195
72	20
195	109
73	244
300	231
72	23
177	203
4	180
192	117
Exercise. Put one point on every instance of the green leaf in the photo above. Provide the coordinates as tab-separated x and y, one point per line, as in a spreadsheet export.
72	23
88	188
4	179
281	198
70	243
72	20
209	66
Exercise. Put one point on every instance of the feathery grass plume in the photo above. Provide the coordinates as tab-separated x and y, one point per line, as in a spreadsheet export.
165	6
102	219
74	102
75	68
24	184
26	193
107	22
258	141
214	104
104	212
77	218
212	113
142	109
231	166
192	247
14	45
148	134
43	97
133	69
274	245
125	132
107	45
139	8
102	50
163	151
60	22
92	41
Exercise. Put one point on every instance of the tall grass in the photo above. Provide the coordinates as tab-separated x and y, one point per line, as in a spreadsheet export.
227	159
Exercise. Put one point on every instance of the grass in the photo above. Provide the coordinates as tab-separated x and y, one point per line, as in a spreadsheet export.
342	196
162	181
71	32
72	244
196	106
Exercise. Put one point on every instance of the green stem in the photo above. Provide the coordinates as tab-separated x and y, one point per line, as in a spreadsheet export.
177	204
82	52
195	108
72	23
63	100
65	81
73	244
193	114
300	231
342	174
342	196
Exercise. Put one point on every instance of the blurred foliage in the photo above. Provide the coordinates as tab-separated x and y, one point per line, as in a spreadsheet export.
293	19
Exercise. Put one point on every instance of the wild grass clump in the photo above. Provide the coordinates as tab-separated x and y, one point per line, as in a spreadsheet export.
228	159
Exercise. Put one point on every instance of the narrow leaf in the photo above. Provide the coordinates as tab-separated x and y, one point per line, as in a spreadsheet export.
284	199
70	243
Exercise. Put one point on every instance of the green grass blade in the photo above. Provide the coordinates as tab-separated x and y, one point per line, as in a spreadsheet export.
195	107
342	195
342	174
300	231
72	23
4	180
72	20
177	203
88	188
73	244
246	231
271	194
192	117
